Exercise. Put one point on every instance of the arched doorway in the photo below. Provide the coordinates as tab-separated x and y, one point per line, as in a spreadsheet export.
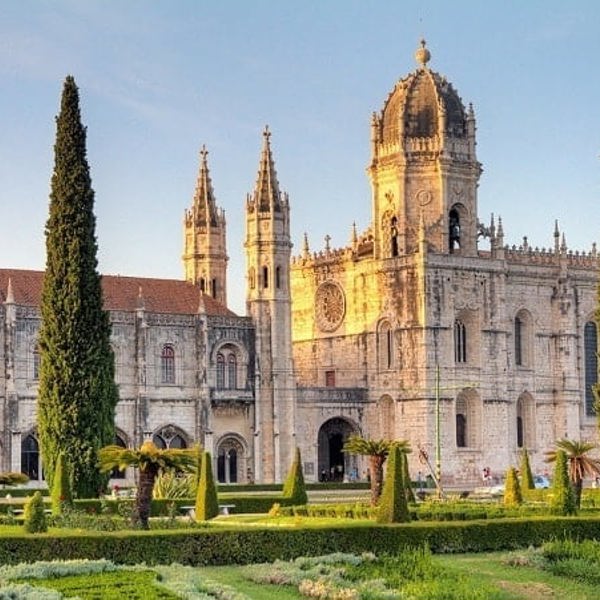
334	464
231	460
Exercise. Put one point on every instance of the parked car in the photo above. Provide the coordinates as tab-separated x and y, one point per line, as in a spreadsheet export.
541	482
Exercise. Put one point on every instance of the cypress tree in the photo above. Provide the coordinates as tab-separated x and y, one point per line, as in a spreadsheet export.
527	482
207	503
294	489
410	494
393	507
562	500
512	489
61	486
34	516
77	393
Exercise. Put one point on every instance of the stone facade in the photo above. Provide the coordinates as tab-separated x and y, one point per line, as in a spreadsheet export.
425	326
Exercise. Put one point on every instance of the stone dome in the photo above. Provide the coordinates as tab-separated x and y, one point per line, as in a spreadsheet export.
419	101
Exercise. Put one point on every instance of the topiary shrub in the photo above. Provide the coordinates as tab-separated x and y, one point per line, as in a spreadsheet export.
512	489
35	518
410	495
562	500
392	503
207	504
294	490
527	482
61	495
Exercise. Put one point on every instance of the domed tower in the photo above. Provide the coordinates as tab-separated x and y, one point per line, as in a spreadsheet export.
205	251
424	166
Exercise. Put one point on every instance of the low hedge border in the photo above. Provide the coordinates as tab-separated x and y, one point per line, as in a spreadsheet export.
242	546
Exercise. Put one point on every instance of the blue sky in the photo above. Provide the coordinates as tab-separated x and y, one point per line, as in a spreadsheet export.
159	79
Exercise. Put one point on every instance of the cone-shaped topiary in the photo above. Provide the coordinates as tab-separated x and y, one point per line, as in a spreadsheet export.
410	495
512	489
294	489
35	518
527	482
61	486
207	504
392	504
562	500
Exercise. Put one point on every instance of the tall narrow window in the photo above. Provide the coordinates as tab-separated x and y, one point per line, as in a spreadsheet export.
394	236
525	423
278	277
231	372
265	277
202	284
36	363
461	430
329	378
590	343
518	341
385	346
30	457
220	371
454	230
460	342
251	278
214	288
167	361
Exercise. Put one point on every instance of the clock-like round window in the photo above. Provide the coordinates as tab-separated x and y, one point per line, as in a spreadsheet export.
330	306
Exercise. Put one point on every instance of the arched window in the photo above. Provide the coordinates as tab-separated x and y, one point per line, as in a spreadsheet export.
278	277
231	461
169	437
214	288
518	341
468	419
590	343
30	457
231	372
454	230
460	342
394	237
167	364
525	423
265	271
116	473
202	284
36	363
220	371
385	346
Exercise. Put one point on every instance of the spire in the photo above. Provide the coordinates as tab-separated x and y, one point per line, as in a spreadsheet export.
556	237
10	296
266	192
305	247
354	235
205	209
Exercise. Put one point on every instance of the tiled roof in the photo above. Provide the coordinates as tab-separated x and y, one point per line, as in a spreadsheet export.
168	296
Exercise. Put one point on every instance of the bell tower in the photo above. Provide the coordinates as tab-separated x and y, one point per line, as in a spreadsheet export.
205	252
424	166
268	302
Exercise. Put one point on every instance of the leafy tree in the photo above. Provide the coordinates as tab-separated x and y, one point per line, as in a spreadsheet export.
512	489
77	393
61	486
377	451
294	488
562	500
34	515
151	461
393	507
207	503
580	464
527	482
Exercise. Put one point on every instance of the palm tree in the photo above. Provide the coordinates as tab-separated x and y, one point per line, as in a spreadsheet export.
151	461
377	451
580	464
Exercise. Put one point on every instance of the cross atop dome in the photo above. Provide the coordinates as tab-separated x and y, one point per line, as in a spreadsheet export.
422	54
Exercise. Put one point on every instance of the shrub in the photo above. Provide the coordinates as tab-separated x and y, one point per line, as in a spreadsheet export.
294	489
410	495
512	489
562	501
527	482
392	504
61	486
207	504
35	518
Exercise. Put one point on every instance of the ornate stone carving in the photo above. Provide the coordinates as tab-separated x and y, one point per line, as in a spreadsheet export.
423	197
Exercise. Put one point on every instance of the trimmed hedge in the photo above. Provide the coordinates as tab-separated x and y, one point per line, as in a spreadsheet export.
221	546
